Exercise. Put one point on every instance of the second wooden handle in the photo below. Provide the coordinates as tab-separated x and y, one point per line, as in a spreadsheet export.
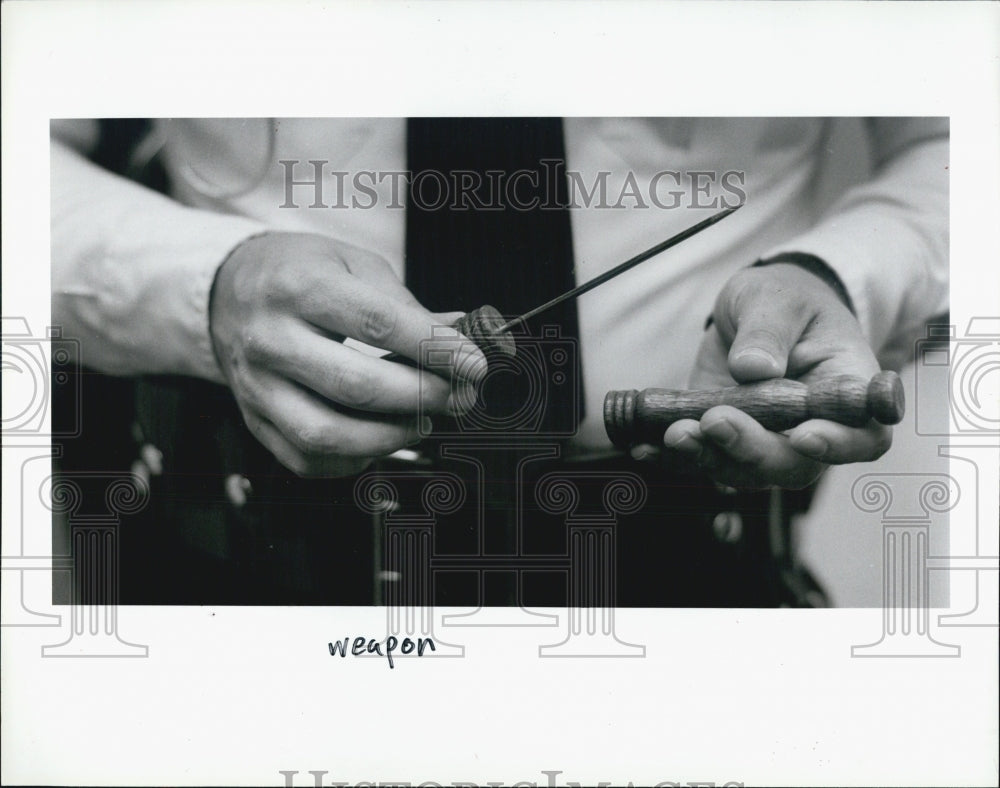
632	417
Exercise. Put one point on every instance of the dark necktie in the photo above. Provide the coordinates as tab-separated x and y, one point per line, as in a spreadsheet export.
487	223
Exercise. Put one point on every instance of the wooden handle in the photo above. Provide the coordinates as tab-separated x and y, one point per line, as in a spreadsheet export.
480	326
632	417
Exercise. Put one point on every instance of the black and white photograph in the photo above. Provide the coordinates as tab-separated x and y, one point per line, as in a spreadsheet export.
500	394
356	361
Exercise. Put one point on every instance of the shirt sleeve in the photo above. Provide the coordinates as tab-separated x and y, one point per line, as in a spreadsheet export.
887	238
132	271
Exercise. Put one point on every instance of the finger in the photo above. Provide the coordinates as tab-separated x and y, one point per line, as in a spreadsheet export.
727	472
760	323
316	429
742	437
827	351
690	452
448	318
684	447
464	399
296	461
837	444
688	446
745	451
685	444
684	436
346	305
645	452
351	378
763	340
376	271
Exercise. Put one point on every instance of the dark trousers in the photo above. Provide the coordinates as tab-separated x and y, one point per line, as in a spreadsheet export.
532	528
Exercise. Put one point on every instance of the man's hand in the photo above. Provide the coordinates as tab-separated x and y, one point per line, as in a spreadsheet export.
282	305
775	321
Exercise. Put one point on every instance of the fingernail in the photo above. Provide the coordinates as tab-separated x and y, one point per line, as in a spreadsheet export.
811	444
758	353
641	452
684	443
722	432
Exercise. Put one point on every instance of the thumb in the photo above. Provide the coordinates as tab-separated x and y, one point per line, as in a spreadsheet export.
448	318
764	338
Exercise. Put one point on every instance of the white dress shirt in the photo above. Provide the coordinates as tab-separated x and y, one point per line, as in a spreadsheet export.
131	270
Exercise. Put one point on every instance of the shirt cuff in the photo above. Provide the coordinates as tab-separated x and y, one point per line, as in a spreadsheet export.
213	238
816	266
132	271
812	264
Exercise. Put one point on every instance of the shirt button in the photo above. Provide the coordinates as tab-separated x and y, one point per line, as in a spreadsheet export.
728	527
